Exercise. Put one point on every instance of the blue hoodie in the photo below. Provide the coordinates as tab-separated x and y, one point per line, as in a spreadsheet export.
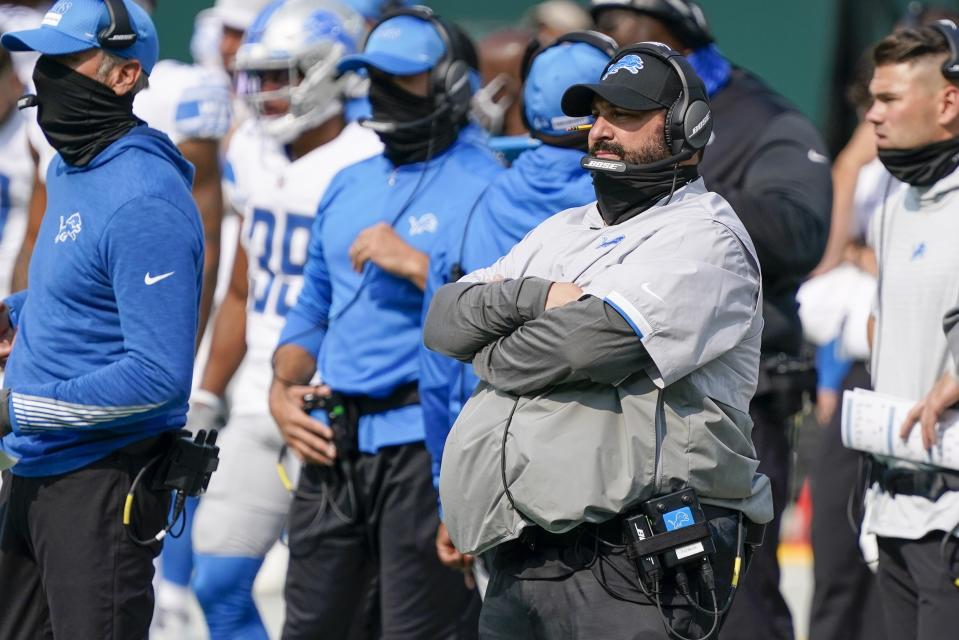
366	327
106	331
540	183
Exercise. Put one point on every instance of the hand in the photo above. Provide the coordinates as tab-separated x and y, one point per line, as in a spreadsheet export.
827	401
561	293
452	558
308	438
8	334
207	411
381	245
944	394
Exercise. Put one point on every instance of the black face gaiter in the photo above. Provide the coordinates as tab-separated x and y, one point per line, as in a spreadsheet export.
426	138
622	196
79	116
922	166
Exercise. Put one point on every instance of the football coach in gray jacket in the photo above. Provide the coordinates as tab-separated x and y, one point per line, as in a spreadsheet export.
618	348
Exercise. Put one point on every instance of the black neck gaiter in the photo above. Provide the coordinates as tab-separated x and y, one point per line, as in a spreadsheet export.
79	116
622	196
426	138
922	166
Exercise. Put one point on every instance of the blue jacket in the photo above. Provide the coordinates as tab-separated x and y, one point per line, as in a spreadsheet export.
106	331
366	328
540	183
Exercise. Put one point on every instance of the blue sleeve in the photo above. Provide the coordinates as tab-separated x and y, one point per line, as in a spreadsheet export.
830	367
307	321
152	252
436	374
15	304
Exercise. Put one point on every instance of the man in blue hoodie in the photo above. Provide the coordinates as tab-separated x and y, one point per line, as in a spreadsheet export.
101	345
364	508
539	183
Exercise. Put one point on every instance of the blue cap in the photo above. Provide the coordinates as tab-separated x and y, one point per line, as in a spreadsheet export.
71	26
373	9
553	71
400	46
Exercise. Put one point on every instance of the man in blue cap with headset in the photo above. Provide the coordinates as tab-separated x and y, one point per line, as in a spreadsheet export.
365	508
101	369
539	183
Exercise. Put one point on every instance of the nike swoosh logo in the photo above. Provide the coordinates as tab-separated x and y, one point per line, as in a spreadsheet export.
815	156
646	288
148	279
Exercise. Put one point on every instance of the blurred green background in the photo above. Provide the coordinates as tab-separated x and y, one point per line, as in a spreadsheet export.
803	48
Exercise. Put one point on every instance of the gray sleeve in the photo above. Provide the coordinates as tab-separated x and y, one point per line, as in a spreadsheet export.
583	340
950	324
464	317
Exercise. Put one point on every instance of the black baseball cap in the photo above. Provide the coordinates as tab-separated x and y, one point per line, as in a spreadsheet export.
633	80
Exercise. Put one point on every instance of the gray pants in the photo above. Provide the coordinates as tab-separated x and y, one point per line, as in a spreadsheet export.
587	591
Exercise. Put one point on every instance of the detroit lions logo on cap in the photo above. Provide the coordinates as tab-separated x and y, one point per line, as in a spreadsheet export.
632	63
56	12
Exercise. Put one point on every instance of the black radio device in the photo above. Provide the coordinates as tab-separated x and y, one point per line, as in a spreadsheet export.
671	530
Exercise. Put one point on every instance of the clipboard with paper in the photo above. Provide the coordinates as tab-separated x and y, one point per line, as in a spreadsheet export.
871	422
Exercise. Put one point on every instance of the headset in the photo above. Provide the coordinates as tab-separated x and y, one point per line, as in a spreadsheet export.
595	39
449	78
689	120
950	68
119	34
685	17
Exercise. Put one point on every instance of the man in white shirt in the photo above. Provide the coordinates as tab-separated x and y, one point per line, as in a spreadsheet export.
914	510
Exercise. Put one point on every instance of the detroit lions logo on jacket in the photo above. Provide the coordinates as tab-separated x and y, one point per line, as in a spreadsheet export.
69	228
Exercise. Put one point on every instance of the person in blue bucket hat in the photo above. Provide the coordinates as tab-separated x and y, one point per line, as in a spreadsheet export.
98	379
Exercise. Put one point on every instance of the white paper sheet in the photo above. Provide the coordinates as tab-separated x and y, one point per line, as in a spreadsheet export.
871	422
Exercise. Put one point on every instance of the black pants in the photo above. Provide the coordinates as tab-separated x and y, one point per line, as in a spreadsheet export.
918	597
552	592
845	603
760	610
67	568
333	561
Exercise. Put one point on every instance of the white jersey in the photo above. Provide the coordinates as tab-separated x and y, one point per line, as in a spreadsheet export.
16	185
278	200
185	101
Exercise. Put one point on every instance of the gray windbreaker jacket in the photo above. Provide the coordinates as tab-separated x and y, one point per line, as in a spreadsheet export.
639	388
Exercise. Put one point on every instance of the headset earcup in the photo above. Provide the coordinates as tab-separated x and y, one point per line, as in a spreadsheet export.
697	124
457	89
674	127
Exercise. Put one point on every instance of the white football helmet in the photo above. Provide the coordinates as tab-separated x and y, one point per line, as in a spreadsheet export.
293	47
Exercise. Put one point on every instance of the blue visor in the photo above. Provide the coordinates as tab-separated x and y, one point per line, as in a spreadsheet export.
71	26
401	46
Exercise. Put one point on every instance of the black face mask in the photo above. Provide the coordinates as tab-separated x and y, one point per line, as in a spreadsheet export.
622	195
79	116
424	135
922	166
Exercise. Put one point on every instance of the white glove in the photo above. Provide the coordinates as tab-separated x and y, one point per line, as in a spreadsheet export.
207	411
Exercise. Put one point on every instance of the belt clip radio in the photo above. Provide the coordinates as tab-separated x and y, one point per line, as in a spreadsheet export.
345	437
188	464
670	530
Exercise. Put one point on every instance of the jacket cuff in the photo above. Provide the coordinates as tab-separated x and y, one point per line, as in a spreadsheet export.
5	425
531	297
